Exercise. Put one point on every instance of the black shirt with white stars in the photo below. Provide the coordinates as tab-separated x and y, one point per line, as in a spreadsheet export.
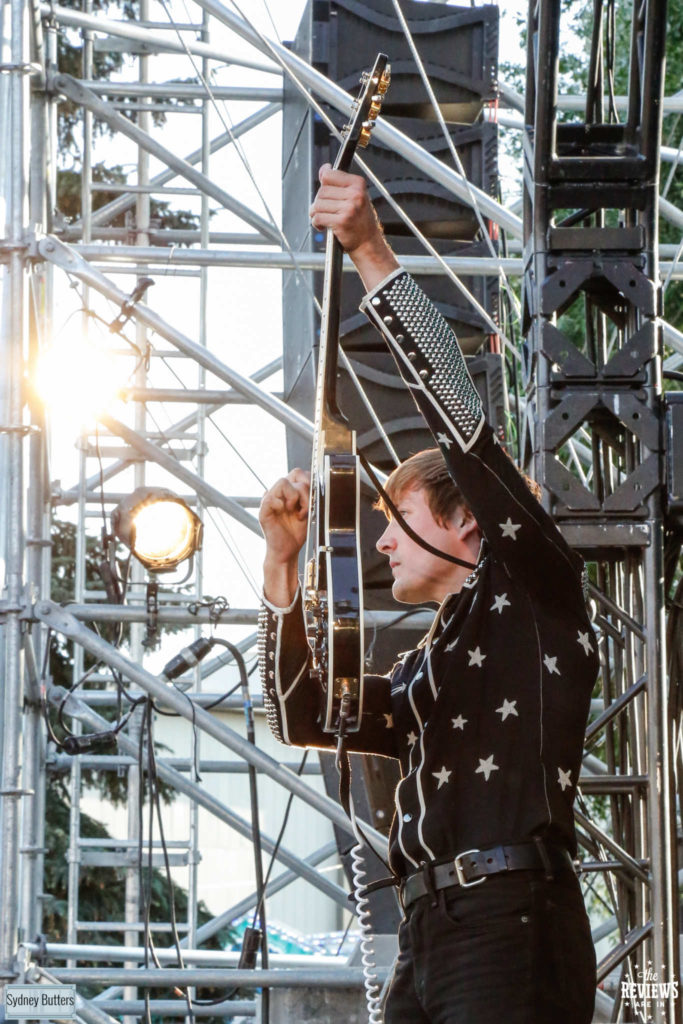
487	716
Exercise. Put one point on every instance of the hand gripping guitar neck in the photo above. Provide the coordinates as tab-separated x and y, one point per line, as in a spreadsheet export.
334	589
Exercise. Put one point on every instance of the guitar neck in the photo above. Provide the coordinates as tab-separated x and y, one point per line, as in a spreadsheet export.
330	420
329	334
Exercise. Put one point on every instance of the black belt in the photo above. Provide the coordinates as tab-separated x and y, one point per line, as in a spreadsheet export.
471	867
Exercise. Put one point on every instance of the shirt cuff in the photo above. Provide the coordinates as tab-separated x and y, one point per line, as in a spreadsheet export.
382	284
276	609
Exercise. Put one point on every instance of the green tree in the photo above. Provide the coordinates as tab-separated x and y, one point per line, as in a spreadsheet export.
69	132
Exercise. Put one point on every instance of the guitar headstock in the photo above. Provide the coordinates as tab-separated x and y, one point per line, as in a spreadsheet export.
366	108
379	86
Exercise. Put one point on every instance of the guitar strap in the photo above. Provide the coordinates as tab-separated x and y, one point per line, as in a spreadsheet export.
403	524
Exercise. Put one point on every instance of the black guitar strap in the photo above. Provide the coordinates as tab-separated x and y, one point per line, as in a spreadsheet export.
403	524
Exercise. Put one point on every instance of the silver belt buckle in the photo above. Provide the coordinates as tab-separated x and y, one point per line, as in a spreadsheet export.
462	881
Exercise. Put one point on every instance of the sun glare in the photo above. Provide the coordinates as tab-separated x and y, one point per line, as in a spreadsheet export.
77	380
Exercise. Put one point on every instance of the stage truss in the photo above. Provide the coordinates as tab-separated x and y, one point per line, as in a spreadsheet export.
194	344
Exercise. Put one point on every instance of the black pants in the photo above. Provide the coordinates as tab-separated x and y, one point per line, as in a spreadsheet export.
516	949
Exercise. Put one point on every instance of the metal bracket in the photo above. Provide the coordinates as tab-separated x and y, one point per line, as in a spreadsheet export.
25	611
23	429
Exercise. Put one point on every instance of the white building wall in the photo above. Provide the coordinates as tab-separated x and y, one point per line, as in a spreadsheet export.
226	869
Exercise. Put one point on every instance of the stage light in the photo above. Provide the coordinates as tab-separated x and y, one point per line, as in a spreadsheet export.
157	527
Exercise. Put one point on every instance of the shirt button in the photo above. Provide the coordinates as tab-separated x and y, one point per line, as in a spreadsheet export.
407	817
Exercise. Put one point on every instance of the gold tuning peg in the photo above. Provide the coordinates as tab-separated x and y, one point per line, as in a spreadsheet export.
365	133
375	107
384	80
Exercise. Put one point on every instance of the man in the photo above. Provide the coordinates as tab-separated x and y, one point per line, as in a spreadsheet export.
487	716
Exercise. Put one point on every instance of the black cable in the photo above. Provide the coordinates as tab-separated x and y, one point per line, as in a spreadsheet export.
256	830
145	880
75	743
403	524
271	865
101	468
207	707
418	609
283	826
155	800
214	424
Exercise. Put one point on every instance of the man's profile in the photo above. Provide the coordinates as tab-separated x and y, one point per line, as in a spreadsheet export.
486	717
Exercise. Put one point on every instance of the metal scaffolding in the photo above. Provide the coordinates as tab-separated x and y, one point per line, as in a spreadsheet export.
593	428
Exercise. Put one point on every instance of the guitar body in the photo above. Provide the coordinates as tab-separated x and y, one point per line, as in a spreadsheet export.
333	599
341	580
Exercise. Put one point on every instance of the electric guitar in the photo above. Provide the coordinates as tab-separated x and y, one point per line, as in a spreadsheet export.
333	599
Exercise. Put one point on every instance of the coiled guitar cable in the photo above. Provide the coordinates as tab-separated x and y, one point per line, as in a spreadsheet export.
373	990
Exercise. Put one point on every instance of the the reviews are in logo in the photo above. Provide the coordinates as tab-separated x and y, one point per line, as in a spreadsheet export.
650	990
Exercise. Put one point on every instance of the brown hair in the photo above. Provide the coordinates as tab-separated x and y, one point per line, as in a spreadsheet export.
427	471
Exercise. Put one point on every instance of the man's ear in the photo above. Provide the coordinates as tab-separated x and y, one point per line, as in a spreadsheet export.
465	523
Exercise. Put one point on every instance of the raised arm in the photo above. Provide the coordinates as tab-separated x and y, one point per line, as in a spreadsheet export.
342	204
516	527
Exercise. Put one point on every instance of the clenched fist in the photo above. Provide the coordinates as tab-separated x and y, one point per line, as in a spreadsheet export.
342	204
283	516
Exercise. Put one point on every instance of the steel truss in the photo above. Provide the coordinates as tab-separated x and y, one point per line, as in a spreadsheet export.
591	192
593	420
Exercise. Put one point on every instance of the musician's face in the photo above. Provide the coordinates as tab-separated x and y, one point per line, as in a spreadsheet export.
418	575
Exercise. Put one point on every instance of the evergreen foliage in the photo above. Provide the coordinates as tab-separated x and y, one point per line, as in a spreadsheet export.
106	63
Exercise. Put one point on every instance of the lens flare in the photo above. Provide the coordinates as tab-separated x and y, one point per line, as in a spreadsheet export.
77	380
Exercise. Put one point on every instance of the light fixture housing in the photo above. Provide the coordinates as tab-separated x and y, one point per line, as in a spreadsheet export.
157	527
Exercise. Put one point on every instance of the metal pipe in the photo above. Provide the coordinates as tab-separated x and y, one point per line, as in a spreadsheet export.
178	1007
168	955
62	621
87	1010
117	206
112	762
664	901
109	699
114	497
99	478
76	708
38	528
163	237
577	101
163	42
11	515
73	90
391	137
475	266
299	977
184	90
233	616
196	483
